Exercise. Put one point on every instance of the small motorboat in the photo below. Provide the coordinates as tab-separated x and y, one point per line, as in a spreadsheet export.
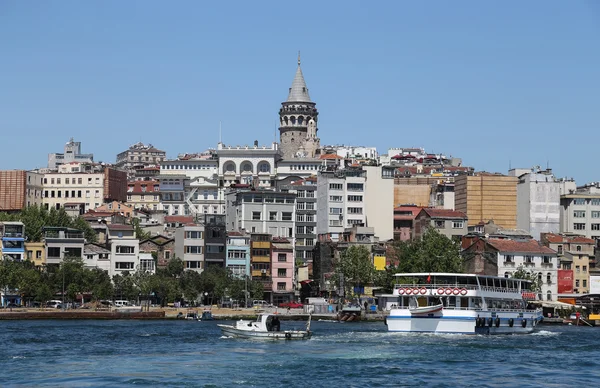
206	316
266	326
426	309
192	315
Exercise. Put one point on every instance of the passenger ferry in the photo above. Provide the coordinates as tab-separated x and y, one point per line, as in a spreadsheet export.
461	304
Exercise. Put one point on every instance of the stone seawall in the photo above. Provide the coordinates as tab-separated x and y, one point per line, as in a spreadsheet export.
81	315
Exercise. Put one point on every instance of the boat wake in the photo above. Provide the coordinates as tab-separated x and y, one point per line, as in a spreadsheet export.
546	333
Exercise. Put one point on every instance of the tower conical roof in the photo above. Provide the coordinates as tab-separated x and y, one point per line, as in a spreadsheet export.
298	91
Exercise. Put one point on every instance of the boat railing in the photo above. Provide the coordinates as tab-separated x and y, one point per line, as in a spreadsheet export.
473	287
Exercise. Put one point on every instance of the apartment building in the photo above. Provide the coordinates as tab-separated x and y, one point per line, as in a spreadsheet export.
538	201
261	211
575	253
450	223
379	200
189	246
96	256
62	242
139	156
238	254
260	261
189	185
282	264
144	195
36	253
72	153
19	189
485	196
12	240
580	211
161	246
124	249
341	200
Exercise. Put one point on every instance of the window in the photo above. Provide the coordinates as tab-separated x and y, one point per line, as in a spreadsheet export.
280	286
576	282
579	214
595	214
355	210
577	269
310	194
310	206
300	206
595	226
584	282
355	186
52	181
193	250
595	201
440	224
355	198
281	257
123	265
336	186
125	250
546	260
584	268
579	201
286	216
167	255
549	295
38	254
194	234
310	230
281	272
560	249
256	216
310	218
300	218
528	259
260	252
335	210
579	226
457	224
272	216
509	259
310	242
301	193
335	198
299	229
193	264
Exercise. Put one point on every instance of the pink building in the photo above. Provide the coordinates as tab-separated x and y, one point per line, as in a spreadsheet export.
282	270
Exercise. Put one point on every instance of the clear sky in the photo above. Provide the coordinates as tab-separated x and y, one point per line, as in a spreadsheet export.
492	82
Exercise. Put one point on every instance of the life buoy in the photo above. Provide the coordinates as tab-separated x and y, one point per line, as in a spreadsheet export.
401	291
423	290
511	322
456	291
497	321
524	323
288	336
490	321
408	291
440	291
448	291
463	291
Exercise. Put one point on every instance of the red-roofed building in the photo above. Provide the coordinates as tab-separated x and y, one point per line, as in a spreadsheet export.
450	223
502	257
144	194
404	217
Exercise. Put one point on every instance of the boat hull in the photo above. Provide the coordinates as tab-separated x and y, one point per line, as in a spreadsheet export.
230	331
462	322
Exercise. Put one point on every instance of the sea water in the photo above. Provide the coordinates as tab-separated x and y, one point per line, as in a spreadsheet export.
174	353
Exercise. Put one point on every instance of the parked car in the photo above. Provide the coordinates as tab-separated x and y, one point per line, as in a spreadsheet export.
292	305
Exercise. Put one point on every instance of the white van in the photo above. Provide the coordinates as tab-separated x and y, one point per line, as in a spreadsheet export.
55	304
122	303
260	303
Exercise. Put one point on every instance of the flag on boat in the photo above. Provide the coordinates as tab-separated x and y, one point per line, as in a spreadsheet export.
428	278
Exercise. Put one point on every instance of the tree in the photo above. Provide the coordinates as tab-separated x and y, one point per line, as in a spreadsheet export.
355	266
536	282
140	233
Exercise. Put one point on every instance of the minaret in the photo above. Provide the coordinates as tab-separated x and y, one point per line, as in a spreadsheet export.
298	121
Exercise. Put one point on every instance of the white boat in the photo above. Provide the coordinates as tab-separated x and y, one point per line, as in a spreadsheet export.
461	303
266	326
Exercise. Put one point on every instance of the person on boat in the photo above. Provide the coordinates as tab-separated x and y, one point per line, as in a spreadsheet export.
275	324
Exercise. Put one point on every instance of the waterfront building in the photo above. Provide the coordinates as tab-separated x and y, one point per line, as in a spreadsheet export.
486	196
282	263
144	195
160	246
189	246
576	254
215	239
139	156
19	189
503	256
61	242
124	249
538	201
341	200
450	223
189	185
12	238
580	211
96	256
72	153
260	260
36	253
238	254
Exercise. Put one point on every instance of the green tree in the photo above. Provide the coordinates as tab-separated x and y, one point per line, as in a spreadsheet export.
355	267
140	233
521	273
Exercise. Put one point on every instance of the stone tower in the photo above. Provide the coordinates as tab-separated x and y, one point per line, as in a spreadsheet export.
298	119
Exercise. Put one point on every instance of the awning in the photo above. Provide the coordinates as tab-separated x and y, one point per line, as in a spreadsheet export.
559	305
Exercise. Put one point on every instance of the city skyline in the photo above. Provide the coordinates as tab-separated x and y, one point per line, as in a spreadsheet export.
494	85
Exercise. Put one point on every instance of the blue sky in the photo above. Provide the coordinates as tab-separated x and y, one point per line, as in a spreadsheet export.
493	82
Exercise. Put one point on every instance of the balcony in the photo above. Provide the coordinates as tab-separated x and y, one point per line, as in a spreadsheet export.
509	263
260	244
529	264
547	265
260	259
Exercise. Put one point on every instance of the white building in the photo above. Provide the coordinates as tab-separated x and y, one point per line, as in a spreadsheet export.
353	152
379	201
189	246
124	249
538	202
71	154
580	211
253	165
341	201
96	256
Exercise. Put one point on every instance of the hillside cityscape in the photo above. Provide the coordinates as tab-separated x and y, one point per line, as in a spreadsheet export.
282	213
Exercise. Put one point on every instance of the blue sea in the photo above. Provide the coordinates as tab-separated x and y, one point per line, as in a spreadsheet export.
174	353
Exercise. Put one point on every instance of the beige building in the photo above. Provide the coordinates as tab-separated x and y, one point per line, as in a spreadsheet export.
36	253
574	253
139	156
379	200
74	184
144	195
486	196
413	190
